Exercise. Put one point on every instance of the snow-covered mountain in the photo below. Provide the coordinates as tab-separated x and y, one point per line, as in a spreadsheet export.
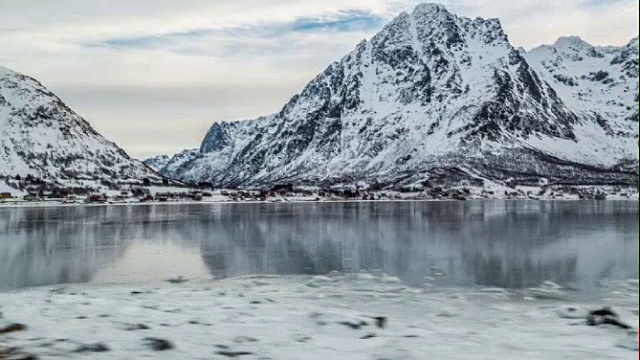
177	161
601	82
43	137
439	97
157	162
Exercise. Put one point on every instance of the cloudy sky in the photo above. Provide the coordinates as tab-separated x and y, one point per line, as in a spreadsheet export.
153	75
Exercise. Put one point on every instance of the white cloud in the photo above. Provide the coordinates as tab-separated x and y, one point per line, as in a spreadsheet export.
128	67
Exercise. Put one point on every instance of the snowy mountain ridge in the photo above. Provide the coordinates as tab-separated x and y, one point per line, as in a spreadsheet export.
437	96
42	137
593	81
157	162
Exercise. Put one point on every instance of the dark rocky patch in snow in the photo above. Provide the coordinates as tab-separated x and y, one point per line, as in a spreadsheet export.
233	354
12	327
157	344
381	321
354	325
244	339
134	327
177	280
605	316
14	353
91	348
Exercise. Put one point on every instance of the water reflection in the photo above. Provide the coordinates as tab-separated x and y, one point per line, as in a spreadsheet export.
39	246
491	243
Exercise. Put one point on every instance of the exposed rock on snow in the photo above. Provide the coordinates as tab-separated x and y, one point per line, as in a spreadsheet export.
233	354
605	316
439	97
158	344
177	280
92	348
11	327
10	353
134	327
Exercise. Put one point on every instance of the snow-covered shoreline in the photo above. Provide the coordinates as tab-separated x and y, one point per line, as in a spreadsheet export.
338	316
360	192
17	204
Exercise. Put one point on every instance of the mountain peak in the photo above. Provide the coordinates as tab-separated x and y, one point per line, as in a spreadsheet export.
215	139
157	163
422	95
571	41
633	42
571	47
430	8
43	137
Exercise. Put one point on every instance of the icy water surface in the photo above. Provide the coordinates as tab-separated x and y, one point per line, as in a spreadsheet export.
510	244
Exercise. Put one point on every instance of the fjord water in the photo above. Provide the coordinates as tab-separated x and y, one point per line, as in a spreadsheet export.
510	244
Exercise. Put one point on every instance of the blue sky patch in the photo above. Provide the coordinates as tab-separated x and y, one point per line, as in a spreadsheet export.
345	21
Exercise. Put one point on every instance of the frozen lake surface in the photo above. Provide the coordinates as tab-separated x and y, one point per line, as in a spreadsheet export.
398	281
509	244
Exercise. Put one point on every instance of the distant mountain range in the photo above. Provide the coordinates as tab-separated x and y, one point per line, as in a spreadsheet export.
157	163
433	97
442	98
42	137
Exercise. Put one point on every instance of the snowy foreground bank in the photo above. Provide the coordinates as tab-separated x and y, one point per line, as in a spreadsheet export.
324	317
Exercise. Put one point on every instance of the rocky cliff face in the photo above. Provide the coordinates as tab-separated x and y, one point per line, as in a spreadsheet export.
43	137
434	95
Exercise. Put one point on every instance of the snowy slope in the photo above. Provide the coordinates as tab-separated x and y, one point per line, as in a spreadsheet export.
157	162
4	187
41	136
432	93
175	163
598	83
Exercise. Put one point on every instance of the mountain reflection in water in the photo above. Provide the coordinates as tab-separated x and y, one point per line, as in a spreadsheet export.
510	244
